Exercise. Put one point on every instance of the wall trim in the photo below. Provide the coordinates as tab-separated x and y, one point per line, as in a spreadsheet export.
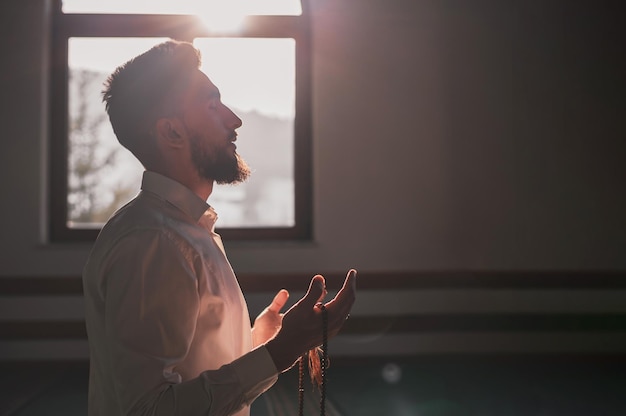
382	280
379	325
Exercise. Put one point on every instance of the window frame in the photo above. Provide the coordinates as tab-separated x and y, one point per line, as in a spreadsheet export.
184	28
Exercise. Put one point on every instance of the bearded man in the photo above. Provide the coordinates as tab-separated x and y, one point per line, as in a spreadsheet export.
168	326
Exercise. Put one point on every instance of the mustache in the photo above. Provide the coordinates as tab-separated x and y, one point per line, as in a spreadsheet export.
232	136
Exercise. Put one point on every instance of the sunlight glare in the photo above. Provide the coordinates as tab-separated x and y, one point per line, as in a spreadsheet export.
253	7
221	16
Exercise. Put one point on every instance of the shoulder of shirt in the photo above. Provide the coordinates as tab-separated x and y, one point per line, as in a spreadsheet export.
143	216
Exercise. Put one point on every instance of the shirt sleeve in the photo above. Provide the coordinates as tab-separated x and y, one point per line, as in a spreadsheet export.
223	391
151	308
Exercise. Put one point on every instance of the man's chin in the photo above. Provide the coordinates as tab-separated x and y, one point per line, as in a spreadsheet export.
232	181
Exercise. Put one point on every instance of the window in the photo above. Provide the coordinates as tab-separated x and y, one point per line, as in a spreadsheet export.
261	63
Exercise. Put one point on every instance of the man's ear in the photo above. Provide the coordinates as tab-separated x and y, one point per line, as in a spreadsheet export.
170	132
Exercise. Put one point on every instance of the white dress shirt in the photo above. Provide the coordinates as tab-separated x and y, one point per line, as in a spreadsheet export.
168	327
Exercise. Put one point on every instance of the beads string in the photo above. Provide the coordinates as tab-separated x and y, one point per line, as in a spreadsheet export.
317	367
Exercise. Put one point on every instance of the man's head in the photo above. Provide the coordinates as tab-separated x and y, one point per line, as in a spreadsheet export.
160	102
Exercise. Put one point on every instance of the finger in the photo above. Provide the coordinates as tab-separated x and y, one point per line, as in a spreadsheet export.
316	292
341	304
349	286
350	280
279	301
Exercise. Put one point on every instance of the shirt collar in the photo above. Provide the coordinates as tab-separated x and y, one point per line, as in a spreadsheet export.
175	193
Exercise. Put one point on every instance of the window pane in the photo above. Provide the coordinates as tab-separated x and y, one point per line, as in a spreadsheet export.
103	176
256	78
250	7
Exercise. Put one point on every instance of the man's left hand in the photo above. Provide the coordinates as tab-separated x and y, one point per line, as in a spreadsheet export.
270	320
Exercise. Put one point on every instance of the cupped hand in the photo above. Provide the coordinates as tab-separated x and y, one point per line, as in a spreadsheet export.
302	324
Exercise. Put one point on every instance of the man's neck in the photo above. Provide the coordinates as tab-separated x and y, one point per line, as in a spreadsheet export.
201	187
198	185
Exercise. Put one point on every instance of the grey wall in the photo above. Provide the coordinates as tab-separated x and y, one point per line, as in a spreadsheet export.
482	134
448	135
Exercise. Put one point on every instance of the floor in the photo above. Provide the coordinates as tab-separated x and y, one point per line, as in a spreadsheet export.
426	386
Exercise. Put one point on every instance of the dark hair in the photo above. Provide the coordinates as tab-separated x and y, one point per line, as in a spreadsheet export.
147	87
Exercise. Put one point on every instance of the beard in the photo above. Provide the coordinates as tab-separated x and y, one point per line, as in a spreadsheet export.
218	164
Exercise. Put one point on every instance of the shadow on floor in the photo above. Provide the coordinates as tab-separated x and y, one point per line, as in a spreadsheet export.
423	386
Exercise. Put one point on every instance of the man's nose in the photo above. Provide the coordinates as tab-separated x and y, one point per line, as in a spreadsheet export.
234	120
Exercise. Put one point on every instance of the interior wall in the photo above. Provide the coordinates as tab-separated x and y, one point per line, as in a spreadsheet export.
448	135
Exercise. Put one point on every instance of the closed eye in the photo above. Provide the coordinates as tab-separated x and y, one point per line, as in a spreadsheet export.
214	97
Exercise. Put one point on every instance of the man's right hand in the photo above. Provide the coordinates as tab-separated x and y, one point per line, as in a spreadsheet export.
302	323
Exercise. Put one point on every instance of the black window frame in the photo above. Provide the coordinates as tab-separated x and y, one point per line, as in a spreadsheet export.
184	28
